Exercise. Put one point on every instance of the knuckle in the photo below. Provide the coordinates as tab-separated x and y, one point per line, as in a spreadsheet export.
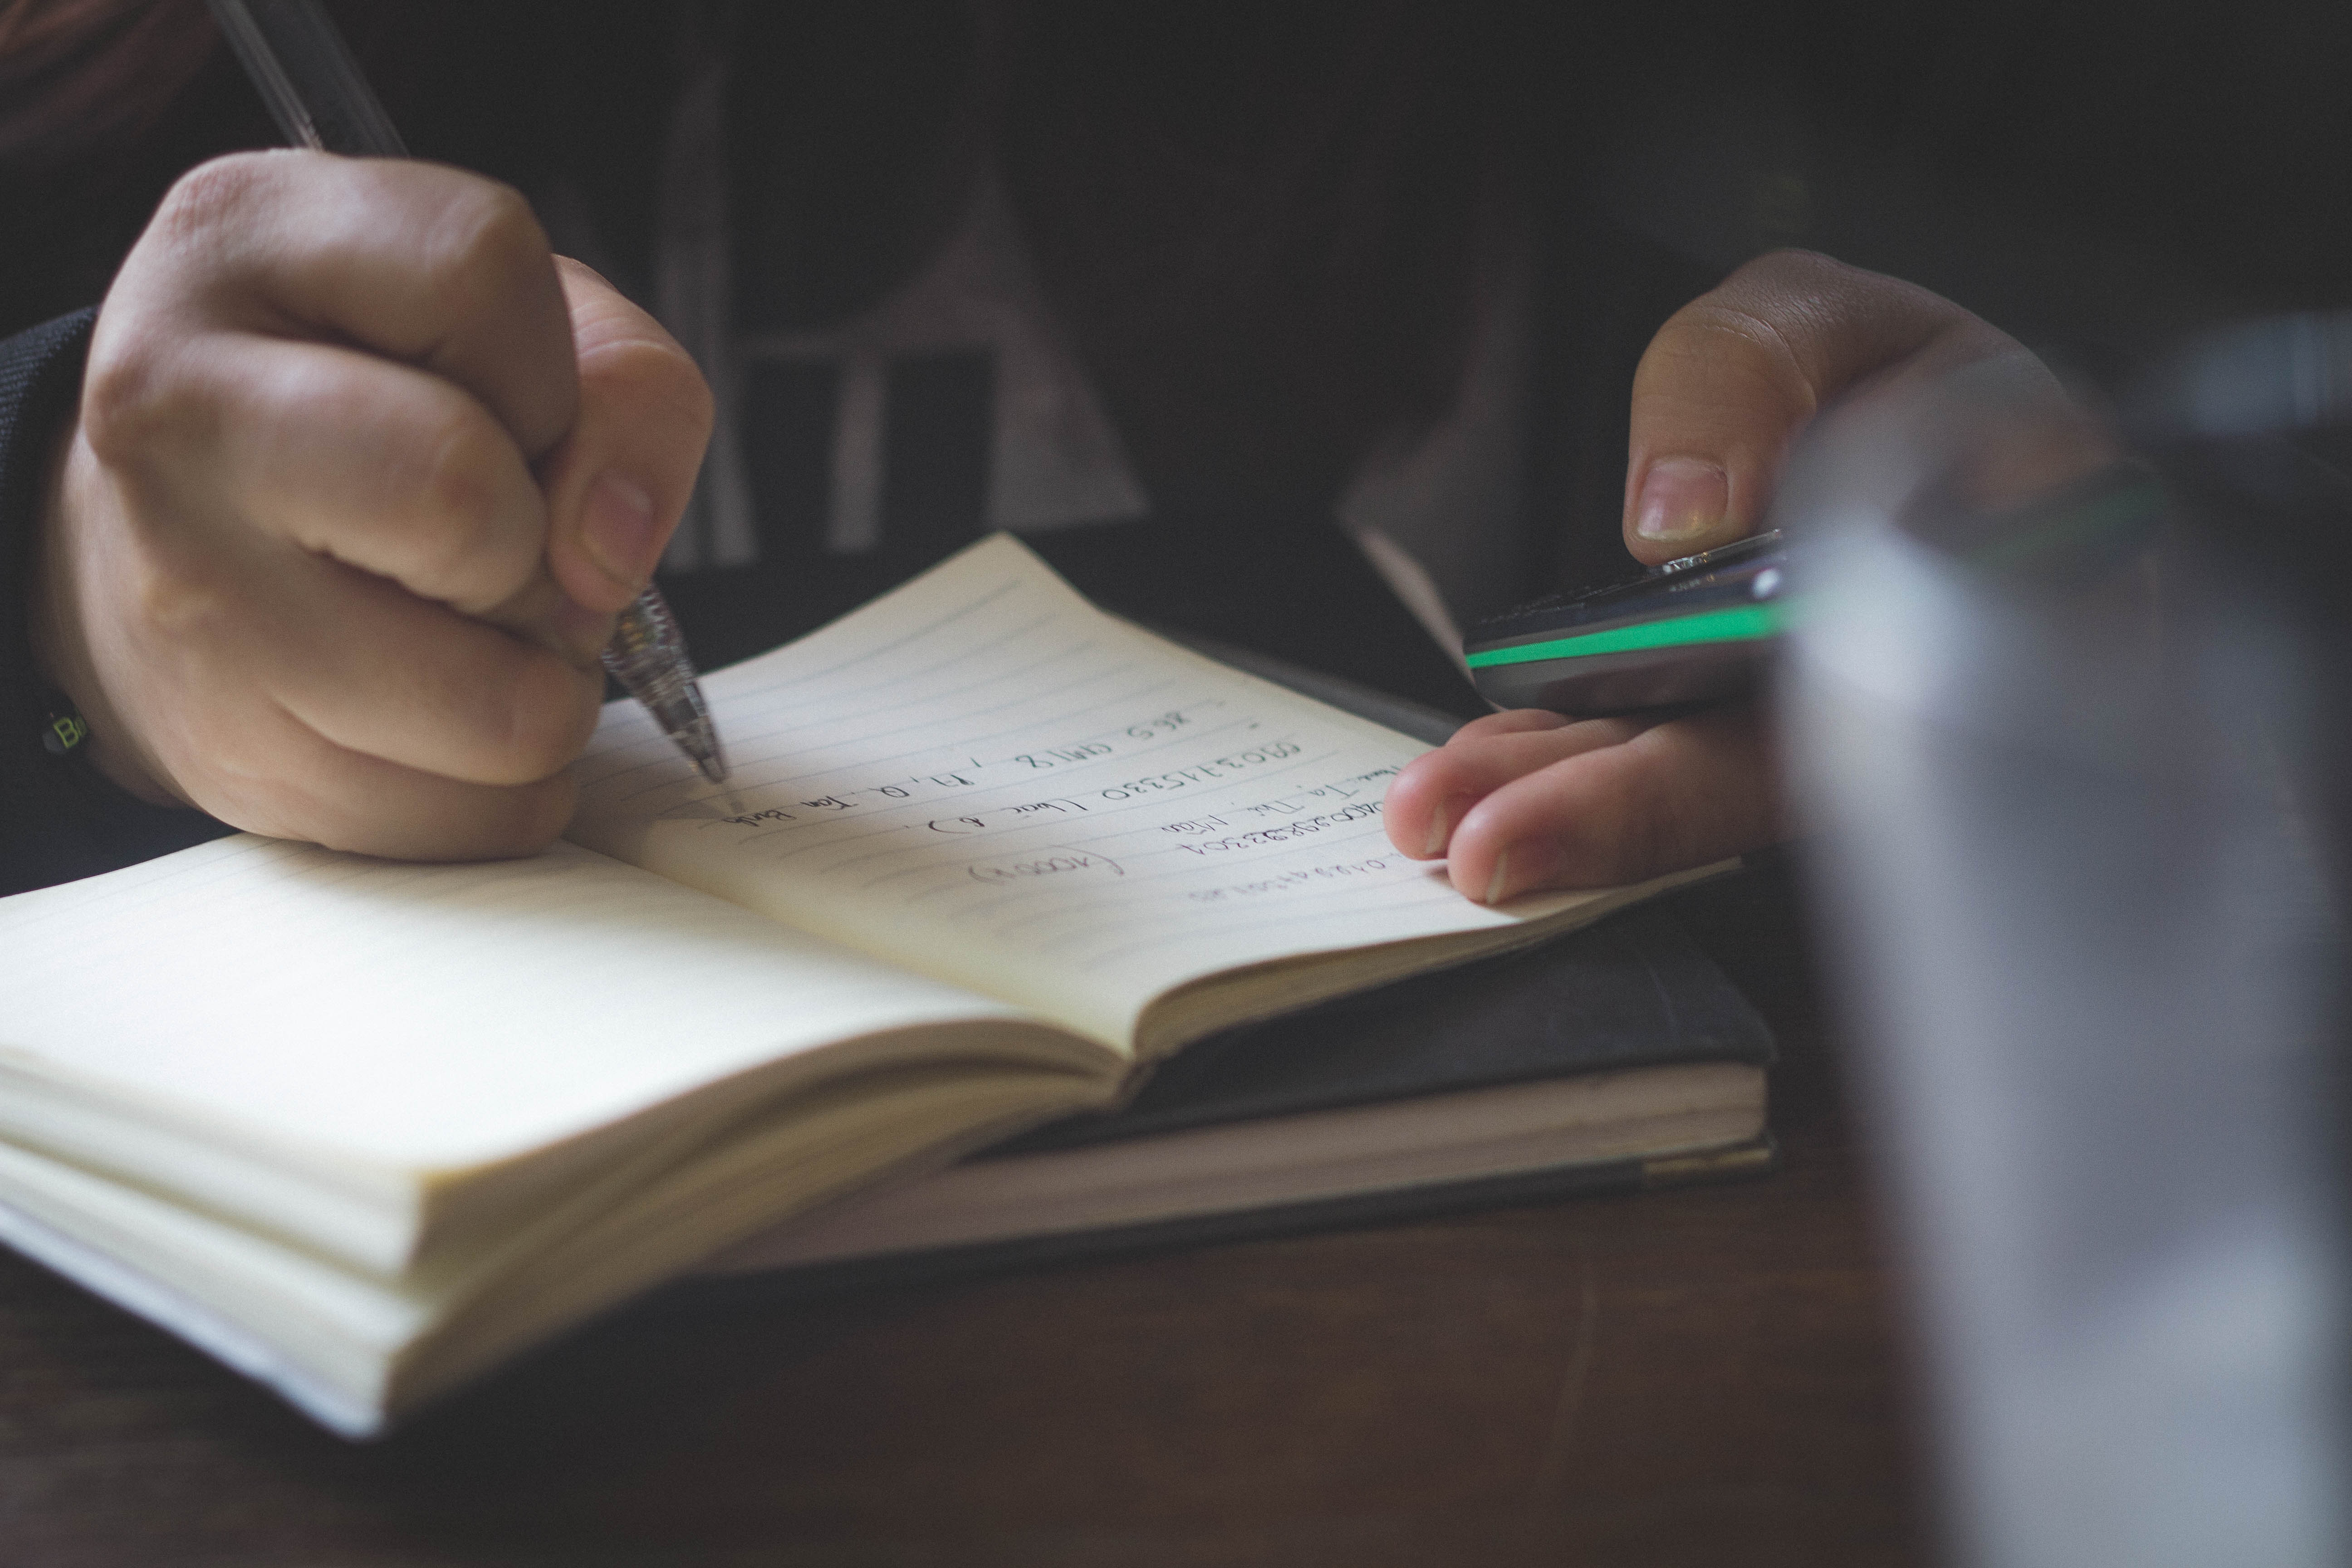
663	384
1717	340
545	719
483	244
454	525
1444	771
1426	782
148	391
126	405
181	606
1716	320
213	196
146	377
152	407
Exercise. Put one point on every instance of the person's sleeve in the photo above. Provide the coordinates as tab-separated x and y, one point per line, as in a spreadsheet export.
60	819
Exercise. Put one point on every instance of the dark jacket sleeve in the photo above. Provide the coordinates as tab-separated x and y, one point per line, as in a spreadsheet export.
60	819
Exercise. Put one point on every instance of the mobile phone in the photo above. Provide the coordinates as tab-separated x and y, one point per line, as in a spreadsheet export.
1695	630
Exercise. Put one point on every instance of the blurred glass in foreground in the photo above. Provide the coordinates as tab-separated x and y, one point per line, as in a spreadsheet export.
2064	715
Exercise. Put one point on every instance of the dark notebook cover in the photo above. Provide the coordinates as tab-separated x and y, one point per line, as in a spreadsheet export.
1635	991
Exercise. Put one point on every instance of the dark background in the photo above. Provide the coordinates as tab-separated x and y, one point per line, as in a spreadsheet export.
1257	218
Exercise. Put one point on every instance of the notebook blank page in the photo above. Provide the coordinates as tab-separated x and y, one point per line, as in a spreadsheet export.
394	1019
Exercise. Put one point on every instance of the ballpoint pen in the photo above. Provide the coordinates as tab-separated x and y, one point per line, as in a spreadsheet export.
303	71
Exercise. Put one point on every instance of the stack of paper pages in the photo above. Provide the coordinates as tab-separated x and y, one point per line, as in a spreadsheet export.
363	1130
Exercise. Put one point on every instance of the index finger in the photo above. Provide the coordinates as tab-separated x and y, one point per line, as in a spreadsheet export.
1567	812
432	265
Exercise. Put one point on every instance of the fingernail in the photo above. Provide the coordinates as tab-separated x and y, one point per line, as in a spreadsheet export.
617	526
1440	825
1682	498
1518	868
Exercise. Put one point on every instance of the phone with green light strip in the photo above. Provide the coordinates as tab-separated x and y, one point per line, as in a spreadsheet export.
1692	631
1703	628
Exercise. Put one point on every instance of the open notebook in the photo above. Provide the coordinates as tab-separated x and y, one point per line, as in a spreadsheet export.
365	1129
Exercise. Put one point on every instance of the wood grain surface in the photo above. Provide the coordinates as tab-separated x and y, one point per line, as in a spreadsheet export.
1709	1375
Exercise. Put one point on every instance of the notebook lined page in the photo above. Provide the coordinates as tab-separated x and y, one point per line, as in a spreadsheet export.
387	1021
982	776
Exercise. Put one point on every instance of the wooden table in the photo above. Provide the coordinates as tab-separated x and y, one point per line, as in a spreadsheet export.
1703	1376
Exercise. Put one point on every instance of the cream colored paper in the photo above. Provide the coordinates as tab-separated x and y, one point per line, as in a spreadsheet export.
983	776
320	1044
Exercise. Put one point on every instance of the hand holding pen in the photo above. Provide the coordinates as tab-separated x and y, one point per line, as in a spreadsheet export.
298	64
359	482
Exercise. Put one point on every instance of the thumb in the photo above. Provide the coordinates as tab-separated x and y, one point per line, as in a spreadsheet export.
619	481
1732	378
